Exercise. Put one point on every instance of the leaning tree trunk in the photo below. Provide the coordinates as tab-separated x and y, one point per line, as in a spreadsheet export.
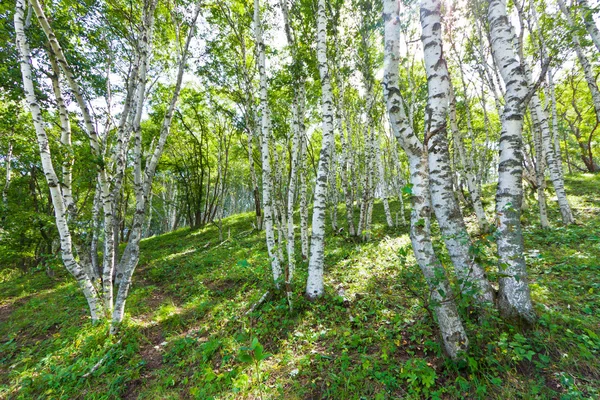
588	20
314	284
451	328
143	179
588	72
444	202
514	299
60	213
543	137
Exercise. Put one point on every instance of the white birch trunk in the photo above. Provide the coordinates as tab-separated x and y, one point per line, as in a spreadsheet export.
143	183
333	189
514	299
466	163
303	195
539	174
444	202
297	120
383	184
60	212
588	20
314	284
291	227
451	328
555	140
8	177
95	142
399	181
344	170
265	125
545	142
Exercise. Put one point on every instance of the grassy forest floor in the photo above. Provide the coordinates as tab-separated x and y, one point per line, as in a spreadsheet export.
370	337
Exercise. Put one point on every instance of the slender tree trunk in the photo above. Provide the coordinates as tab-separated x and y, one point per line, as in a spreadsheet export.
466	164
265	151
291	227
588	20
539	173
514	300
314	284
451	328
344	172
7	181
383	184
444	202
60	212
333	190
303	197
143	183
543	136
399	182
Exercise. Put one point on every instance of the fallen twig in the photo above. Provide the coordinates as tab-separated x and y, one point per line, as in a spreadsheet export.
258	303
222	243
99	363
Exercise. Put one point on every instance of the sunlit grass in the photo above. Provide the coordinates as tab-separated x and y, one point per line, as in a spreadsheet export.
186	321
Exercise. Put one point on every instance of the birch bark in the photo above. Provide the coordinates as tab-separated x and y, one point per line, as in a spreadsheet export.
451	328
314	284
344	166
265	126
383	184
303	194
143	182
298	105
544	141
58	201
588	20
466	164
514	299
444	202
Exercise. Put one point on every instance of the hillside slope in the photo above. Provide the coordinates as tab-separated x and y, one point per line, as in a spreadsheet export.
371	336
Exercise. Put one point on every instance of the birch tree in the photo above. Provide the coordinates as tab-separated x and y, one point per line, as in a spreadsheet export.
314	284
143	178
543	137
444	202
265	126
110	164
514	298
58	201
448	319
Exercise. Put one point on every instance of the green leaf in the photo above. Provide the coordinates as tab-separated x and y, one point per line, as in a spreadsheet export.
245	358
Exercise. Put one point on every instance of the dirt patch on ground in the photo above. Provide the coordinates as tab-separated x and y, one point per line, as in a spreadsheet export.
552	383
5	311
9	307
152	354
221	285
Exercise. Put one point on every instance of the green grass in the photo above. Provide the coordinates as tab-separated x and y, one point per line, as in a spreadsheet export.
186	322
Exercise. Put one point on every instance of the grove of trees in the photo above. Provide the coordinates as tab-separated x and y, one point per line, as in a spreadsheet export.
124	120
